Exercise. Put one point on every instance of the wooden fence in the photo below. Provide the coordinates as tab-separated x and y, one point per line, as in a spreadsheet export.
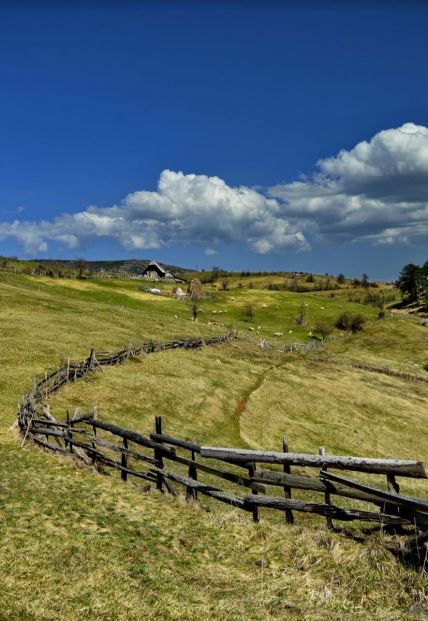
168	461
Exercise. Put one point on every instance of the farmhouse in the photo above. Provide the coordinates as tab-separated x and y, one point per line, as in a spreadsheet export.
154	271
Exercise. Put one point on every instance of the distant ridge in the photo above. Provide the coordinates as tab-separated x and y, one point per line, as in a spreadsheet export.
132	266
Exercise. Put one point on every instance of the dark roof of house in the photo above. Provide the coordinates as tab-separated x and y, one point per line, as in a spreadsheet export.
154	265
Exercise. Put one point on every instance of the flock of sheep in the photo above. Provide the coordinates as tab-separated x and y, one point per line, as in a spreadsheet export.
250	328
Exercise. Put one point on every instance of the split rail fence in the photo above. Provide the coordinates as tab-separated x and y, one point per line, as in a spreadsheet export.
169	462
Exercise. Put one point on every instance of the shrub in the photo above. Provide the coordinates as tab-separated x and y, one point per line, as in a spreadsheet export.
323	329
195	309
300	319
374	298
353	322
249	313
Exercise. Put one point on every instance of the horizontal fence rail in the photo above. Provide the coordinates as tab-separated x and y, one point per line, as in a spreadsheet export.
361	464
167	461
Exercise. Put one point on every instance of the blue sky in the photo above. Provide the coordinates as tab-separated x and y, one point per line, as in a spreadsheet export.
104	104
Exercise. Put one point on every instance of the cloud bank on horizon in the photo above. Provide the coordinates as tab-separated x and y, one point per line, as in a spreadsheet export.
377	191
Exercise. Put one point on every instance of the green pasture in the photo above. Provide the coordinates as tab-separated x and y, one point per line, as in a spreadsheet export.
76	544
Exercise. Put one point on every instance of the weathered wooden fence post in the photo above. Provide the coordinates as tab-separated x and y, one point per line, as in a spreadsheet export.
70	434
191	493
289	518
251	470
67	420
124	460
94	443
158	453
327	497
393	486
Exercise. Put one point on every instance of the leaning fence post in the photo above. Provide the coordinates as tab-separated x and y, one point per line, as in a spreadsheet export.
70	434
158	453
67	420
289	518
251	470
94	443
191	493
124	460
393	486
329	521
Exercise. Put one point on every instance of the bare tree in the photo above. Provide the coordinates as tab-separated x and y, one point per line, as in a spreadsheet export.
249	312
82	266
300	319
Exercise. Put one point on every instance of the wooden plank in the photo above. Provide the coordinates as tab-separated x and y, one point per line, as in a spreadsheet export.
408	468
52	447
130	435
323	510
190	446
297	481
223	474
208	490
398	499
120	449
100	457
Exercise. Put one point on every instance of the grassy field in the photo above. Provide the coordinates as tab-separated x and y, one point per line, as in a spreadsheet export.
77	544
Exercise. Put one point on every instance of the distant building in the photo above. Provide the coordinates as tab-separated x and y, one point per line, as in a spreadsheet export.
154	271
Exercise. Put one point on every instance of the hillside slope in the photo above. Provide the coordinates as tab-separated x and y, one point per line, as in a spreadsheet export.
77	544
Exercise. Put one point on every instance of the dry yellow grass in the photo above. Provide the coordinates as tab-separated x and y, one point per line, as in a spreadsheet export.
77	544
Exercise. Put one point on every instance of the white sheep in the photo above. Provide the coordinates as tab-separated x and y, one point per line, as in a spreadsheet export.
264	305
176	316
322	307
277	333
252	329
290	332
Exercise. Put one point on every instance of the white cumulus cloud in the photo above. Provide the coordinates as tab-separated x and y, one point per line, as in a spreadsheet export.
378	191
185	208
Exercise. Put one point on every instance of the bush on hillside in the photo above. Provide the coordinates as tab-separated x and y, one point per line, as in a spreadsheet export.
323	329
249	313
352	322
195	290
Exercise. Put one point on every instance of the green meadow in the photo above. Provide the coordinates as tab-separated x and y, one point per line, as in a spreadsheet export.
77	544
